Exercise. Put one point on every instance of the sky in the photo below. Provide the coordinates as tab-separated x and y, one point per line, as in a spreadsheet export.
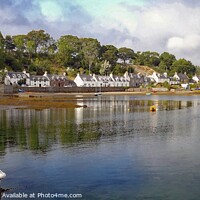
144	25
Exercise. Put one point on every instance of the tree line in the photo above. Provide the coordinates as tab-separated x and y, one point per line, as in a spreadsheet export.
37	52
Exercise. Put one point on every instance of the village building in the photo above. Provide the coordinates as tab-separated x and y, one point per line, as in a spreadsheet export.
137	80
196	78
120	81
182	78
83	80
104	81
59	80
38	81
14	78
159	78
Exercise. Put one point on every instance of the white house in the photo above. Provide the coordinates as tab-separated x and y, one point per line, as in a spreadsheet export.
183	78
38	81
137	80
196	78
12	78
159	78
83	80
120	81
101	81
104	81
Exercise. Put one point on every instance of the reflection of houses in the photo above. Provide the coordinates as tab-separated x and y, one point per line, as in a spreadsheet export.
13	78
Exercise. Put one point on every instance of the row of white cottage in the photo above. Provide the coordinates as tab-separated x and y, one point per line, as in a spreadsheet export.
83	80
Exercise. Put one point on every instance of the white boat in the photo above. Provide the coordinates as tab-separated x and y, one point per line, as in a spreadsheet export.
2	175
148	93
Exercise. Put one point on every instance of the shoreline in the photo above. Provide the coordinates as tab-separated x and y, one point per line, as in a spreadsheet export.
44	94
40	101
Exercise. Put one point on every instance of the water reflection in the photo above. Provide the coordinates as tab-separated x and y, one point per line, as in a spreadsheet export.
39	130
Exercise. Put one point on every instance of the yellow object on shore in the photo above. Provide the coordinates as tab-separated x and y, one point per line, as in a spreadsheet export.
152	108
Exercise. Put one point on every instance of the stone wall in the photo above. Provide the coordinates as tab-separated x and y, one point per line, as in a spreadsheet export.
1	88
10	89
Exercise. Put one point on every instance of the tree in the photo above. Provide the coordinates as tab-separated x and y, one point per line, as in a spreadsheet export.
2	54
147	58
105	68
109	53
69	51
166	61
9	45
90	48
20	42
119	70
182	65
39	41
126	54
2	42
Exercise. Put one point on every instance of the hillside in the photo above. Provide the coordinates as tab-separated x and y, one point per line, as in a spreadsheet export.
144	70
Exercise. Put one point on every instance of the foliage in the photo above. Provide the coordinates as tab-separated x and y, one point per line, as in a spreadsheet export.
37	52
105	68
182	66
109	53
147	58
69	51
166	85
119	70
126	54
90	49
166	61
22	82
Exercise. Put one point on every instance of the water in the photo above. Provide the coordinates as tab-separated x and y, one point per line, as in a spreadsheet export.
113	149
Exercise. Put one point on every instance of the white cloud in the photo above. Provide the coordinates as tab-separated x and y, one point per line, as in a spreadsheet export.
157	26
187	43
172	27
51	10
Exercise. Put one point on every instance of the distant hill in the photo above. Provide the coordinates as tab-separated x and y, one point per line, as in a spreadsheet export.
144	70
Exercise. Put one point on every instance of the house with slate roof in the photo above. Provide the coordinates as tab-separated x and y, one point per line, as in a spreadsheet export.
196	78
120	81
83	80
38	81
159	78
104	81
182	78
12	78
101	81
137	80
59	80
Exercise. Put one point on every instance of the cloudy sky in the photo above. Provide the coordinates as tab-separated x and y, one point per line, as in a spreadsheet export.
143	25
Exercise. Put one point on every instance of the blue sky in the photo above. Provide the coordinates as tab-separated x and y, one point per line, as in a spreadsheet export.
143	25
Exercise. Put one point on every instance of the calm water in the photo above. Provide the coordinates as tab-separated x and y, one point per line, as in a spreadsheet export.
113	149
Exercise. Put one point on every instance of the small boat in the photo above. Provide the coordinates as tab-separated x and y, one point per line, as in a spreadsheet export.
2	175
97	94
153	108
148	93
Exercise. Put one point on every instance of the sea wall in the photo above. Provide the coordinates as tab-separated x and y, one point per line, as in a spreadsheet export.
10	89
